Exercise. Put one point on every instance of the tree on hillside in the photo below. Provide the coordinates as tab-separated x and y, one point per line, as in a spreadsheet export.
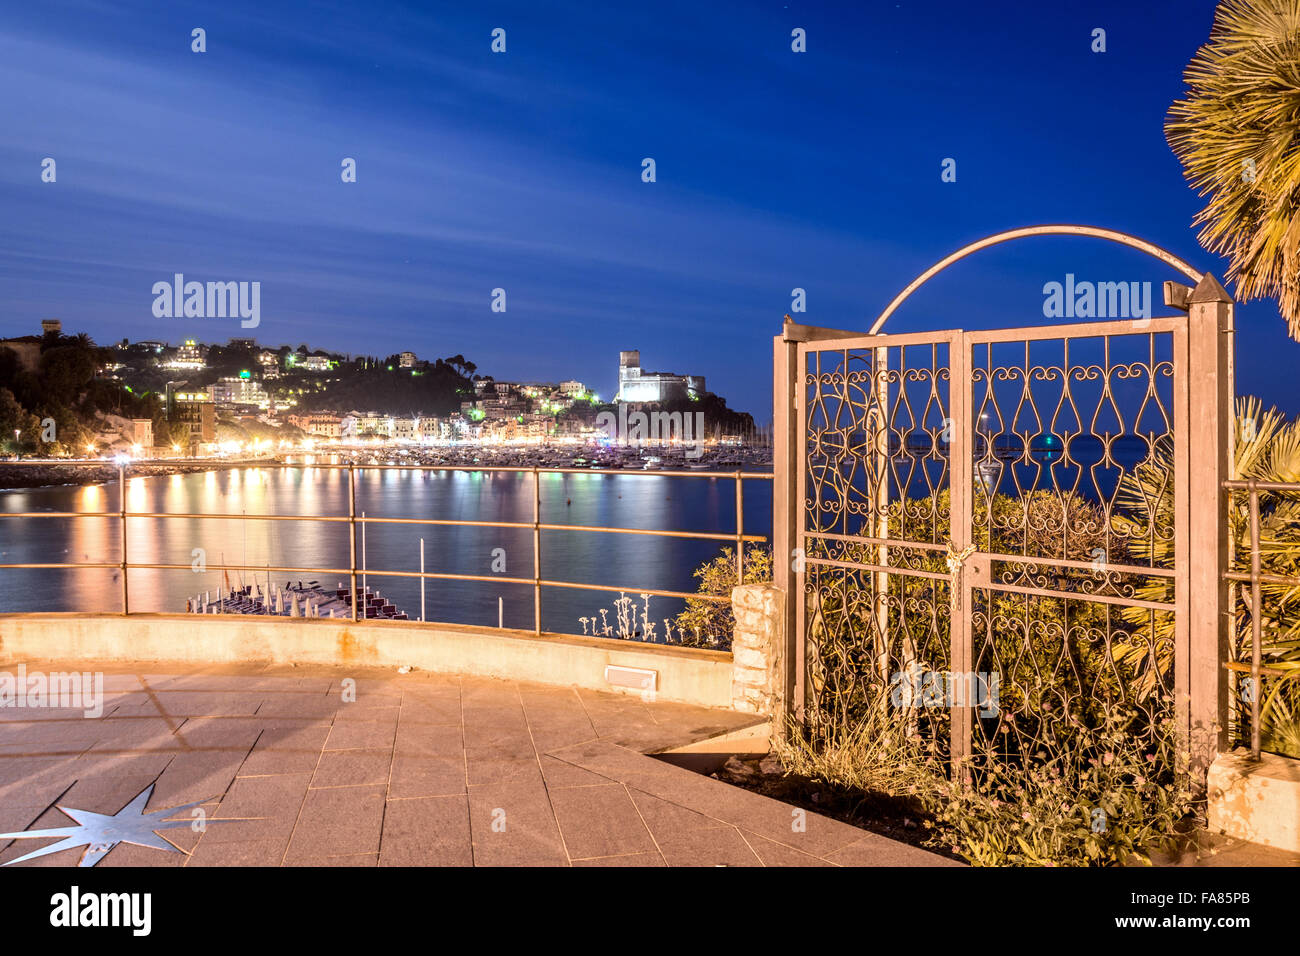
1237	134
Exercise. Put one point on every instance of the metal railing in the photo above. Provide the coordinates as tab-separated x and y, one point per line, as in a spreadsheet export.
1256	579
537	526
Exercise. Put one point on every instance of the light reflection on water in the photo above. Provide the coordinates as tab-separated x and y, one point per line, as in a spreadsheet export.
632	561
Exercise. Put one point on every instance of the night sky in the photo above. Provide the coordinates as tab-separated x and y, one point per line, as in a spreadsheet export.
775	170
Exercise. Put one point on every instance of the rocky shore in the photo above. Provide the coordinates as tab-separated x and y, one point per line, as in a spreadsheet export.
37	474
41	474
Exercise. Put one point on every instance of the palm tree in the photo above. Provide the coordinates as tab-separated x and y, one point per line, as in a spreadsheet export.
1237	134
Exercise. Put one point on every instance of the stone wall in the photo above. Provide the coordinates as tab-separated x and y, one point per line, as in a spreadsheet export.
756	648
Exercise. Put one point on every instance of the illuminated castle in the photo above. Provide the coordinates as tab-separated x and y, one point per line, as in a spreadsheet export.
635	385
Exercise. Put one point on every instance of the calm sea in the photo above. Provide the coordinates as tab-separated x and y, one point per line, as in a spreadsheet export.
620	562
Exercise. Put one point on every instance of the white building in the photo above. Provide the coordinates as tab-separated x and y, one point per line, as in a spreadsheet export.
404	429
365	425
310	363
407	360
636	385
239	391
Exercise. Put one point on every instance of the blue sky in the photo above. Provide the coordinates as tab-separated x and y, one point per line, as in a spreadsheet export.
522	170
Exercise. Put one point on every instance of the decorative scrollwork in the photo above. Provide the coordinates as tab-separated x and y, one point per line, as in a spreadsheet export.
1065	435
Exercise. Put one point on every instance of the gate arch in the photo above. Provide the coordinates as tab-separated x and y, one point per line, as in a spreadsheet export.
1024	232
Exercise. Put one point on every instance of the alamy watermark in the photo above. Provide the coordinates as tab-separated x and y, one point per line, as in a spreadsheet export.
1096	300
212	300
73	690
918	688
641	428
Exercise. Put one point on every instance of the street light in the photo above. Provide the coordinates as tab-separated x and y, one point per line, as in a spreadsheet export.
18	450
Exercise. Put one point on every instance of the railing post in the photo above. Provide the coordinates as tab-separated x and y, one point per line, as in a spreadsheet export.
960	484
1200	688
121	494
740	530
786	460
352	536
1256	623
880	462
537	551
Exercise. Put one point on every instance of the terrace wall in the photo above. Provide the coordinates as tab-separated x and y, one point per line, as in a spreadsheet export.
685	675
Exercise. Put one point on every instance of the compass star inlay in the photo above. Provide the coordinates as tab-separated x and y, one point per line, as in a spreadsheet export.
100	832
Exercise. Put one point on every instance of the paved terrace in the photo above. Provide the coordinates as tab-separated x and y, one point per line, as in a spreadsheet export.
420	770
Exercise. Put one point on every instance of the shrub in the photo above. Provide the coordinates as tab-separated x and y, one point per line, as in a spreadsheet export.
1088	797
711	623
875	754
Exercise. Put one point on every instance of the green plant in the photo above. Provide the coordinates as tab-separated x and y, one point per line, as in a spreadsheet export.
1279	725
711	623
1089	796
1267	449
875	753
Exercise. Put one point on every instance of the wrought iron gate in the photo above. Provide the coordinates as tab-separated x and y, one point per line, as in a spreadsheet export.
982	523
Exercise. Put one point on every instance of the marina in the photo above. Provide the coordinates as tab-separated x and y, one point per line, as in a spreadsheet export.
295	599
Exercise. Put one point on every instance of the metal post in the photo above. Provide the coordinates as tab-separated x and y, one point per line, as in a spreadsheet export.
421	580
961	482
121	495
365	590
880	439
537	551
1256	624
740	530
1200	691
786	463
352	537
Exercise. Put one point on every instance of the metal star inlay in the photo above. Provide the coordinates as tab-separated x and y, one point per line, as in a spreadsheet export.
100	832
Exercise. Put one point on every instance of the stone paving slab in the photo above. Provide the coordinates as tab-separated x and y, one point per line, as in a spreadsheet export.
322	766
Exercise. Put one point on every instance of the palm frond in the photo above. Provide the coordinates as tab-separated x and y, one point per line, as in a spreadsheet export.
1237	134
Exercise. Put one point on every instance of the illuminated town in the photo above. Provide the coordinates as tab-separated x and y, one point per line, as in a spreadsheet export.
245	401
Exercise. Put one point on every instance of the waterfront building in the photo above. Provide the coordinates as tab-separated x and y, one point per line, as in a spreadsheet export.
142	432
365	425
318	424
194	409
404	429
432	429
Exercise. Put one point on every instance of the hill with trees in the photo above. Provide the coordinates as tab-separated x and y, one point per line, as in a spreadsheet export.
51	397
